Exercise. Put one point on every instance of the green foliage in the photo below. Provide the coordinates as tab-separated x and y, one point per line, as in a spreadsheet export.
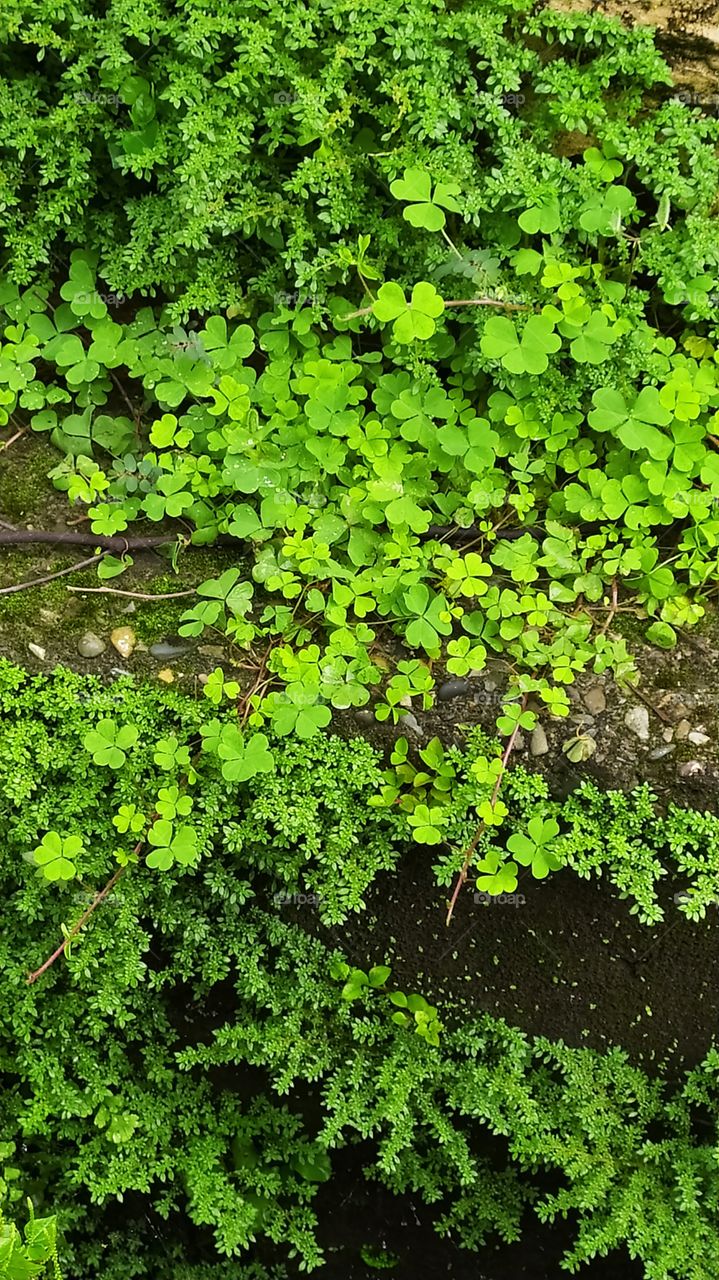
140	147
32	1255
136	1081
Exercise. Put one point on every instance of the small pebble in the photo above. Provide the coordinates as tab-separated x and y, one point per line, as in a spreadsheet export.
538	745
410	722
90	645
683	729
38	651
519	742
167	675
668	734
637	719
595	700
406	701
452	689
124	640
660	752
49	617
166	650
211	651
365	716
690	768
698	738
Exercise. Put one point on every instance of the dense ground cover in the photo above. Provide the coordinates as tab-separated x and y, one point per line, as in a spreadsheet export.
405	318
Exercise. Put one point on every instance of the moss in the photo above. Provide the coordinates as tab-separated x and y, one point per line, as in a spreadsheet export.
23	479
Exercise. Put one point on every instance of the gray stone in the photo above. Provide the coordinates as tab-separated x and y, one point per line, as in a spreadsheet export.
683	729
660	752
637	719
690	768
410	722
595	700
698	738
163	649
90	645
452	689
538	745
38	652
364	716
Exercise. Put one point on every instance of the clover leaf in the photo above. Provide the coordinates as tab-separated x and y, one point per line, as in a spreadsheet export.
496	875
169	754
128	818
413	319
635	424
426	823
241	757
216	687
56	855
534	849
171	844
108	744
298	710
426	208
543	216
525	352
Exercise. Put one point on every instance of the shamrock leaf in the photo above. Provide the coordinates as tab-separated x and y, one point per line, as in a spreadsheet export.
544	217
427	823
226	352
170	755
171	844
413	319
520	353
431	618
591	346
241	758
603	164
56	855
109	745
636	425
534	849
128	818
426	207
298	710
607	211
216	687
497	876
171	805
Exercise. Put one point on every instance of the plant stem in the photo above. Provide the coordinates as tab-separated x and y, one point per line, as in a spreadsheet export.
457	302
49	577
481	827
137	595
99	897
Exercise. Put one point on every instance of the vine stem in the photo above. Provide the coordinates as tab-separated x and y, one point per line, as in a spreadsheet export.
482	826
456	302
137	595
99	897
50	577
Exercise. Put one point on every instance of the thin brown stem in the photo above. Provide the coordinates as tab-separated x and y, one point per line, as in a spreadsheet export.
481	826
137	595
50	577
99	897
457	302
612	611
17	436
